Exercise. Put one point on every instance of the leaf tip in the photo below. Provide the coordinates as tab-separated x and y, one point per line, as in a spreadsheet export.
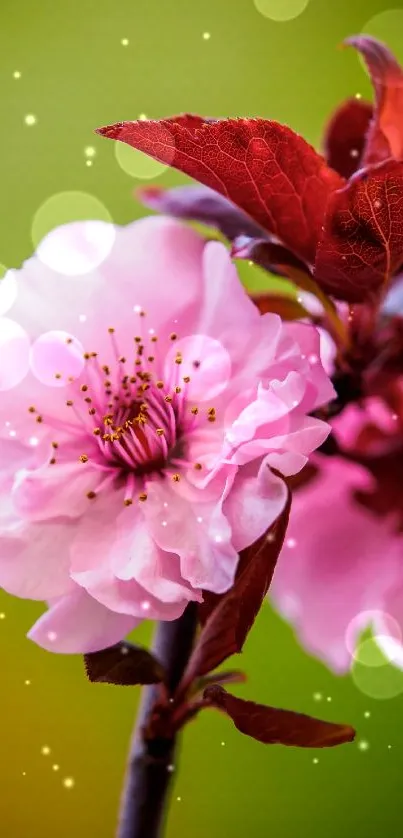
111	132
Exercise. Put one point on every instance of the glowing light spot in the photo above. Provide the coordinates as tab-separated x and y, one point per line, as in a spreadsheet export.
145	605
143	117
2	615
30	119
68	782
315	760
16	74
206	36
90	151
291	542
125	42
164	523
27	683
55	767
88	163
317	696
363	745
82	318
33	440
281	10
45	750
12	433
170	768
367	714
199	519
52	636
329	698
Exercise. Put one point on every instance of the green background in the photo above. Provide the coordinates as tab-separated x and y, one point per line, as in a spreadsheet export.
76	75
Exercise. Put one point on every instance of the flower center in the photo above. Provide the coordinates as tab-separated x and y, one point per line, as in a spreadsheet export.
138	421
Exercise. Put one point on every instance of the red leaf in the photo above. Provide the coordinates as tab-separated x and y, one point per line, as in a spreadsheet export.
123	664
278	727
286	306
263	167
228	625
345	137
199	203
385	138
362	242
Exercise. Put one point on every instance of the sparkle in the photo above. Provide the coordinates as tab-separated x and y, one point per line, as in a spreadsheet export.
363	745
354	152
33	440
12	433
27	682
143	117
291	542
164	523
125	42
317	696
88	163
179	799
2	615
145	605
313	359
315	760
222	744
55	767
206	36
329	698
68	782
45	750
90	151
358	96
367	714
16	74
199	519
171	768
377	204
218	539
30	119
52	636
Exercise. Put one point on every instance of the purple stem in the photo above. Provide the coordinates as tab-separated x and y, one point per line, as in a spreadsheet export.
150	767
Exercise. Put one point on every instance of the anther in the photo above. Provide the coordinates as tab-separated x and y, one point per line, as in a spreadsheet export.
111	330
143	496
69	403
198	466
39	419
91	495
173	336
83	458
186	379
159	384
194	410
176	478
84	388
127	502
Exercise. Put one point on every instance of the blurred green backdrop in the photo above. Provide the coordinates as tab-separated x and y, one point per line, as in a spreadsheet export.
66	68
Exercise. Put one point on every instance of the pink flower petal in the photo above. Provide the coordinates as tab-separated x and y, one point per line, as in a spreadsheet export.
254	503
35	559
78	624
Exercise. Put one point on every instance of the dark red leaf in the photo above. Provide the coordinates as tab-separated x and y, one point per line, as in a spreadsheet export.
199	203
228	625
123	664
234	676
345	136
284	305
362	242
267	254
385	137
278	727
264	168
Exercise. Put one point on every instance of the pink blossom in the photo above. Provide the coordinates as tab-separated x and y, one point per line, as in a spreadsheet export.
340	569
159	401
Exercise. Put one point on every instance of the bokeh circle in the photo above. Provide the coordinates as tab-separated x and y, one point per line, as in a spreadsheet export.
14	353
56	357
281	10
8	289
387	27
73	233
136	164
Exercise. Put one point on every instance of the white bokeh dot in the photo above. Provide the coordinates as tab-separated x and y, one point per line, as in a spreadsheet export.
73	233
30	119
14	353
55	357
281	10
